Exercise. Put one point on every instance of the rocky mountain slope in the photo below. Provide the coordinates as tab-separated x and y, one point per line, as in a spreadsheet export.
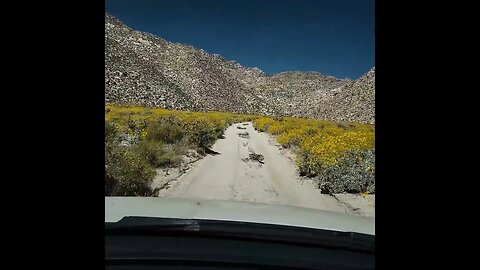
354	101
143	69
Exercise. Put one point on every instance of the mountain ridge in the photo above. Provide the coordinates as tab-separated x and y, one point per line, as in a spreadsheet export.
144	69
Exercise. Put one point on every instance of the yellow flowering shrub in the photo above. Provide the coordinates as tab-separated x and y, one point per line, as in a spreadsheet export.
327	148
296	135
262	123
140	139
201	127
276	128
321	146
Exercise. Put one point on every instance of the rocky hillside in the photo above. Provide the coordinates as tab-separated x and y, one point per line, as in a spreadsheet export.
143	69
354	101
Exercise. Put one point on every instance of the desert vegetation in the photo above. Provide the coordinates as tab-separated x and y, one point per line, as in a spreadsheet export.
340	156
140	139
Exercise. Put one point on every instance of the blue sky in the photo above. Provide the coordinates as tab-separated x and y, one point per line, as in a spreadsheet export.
333	37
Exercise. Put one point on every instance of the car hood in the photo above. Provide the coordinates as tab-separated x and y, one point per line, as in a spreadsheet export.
118	207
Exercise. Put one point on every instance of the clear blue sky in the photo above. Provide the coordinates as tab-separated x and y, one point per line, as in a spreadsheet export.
333	37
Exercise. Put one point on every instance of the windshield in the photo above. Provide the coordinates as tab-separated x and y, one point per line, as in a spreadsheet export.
253	102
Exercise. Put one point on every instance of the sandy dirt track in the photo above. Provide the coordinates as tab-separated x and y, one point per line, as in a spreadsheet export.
231	175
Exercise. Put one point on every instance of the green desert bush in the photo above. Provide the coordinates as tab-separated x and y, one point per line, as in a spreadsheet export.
127	173
167	129
158	154
354	173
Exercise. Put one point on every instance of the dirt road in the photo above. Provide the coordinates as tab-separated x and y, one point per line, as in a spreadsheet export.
234	175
